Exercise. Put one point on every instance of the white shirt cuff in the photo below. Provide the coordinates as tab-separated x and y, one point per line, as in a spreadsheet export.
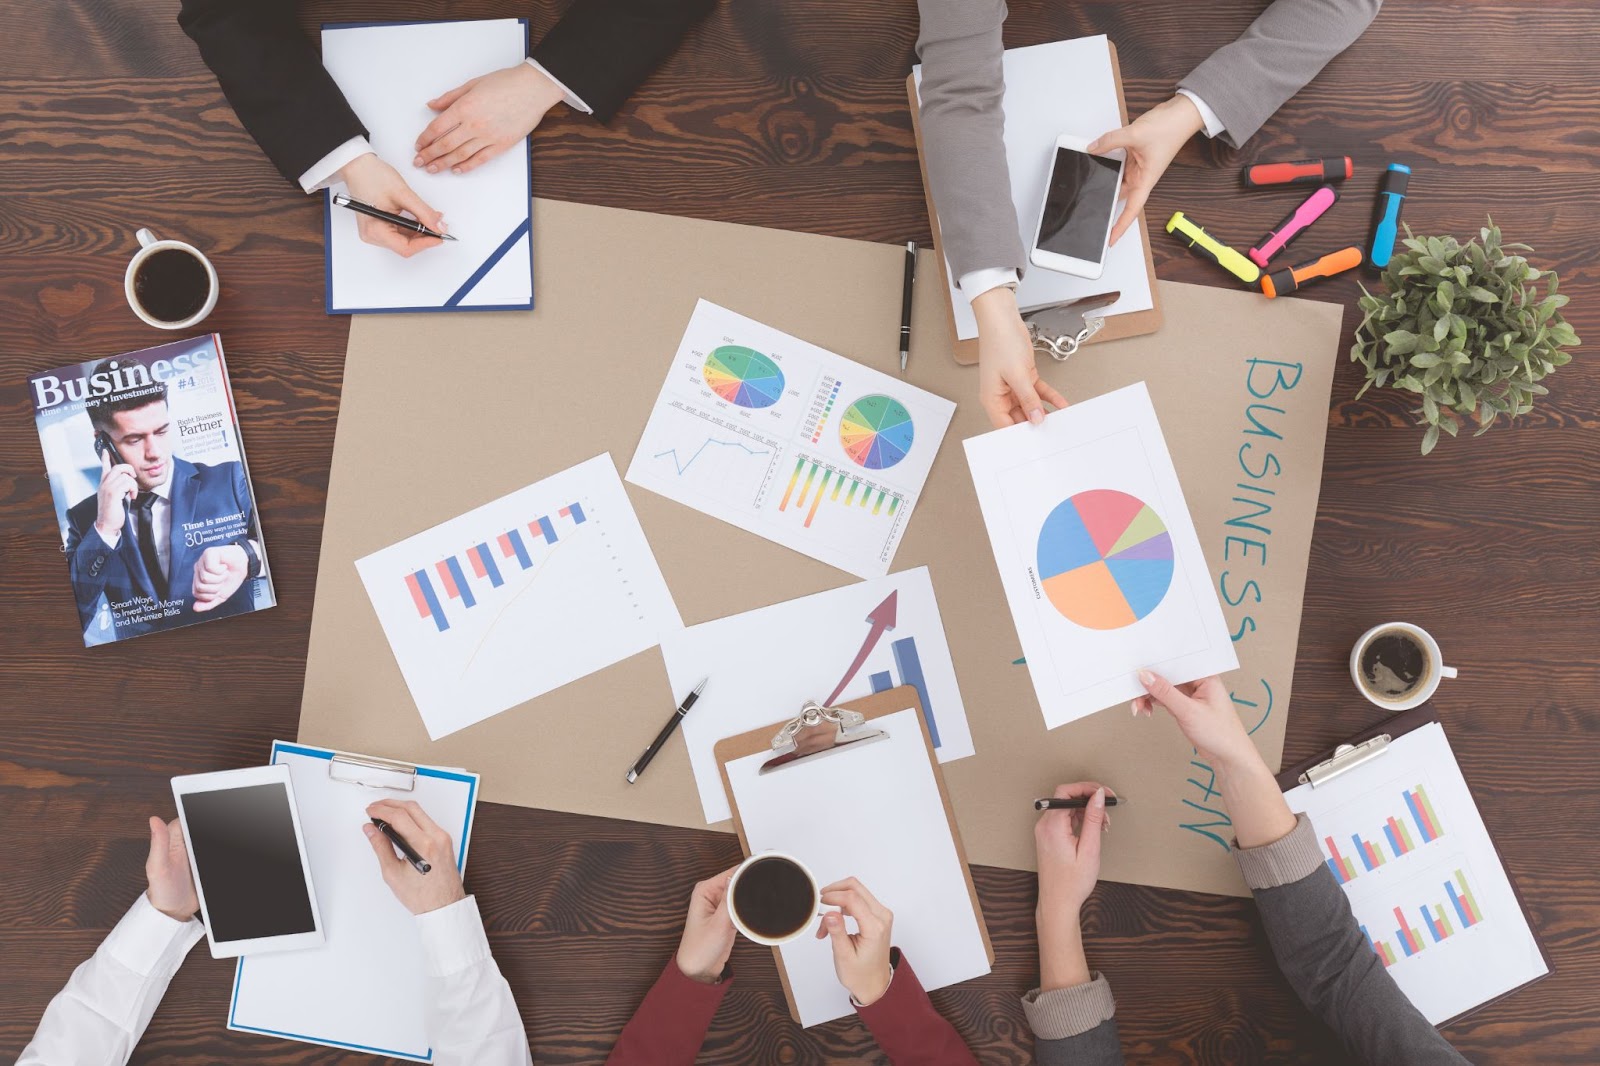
974	283
145	934
453	938
1214	124
322	172
570	98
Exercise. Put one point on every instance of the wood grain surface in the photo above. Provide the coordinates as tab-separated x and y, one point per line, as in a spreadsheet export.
791	113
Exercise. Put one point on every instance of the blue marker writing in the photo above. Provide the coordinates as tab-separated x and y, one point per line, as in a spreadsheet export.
1386	215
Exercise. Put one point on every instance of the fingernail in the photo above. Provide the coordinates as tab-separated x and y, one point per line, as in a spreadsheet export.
417	162
1146	678
1100	797
455	170
1036	415
1133	710
434	169
367	828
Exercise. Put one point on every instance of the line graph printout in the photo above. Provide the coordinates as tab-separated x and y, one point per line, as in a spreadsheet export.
519	596
790	441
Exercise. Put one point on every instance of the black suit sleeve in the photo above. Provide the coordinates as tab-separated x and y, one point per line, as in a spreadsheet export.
273	76
603	49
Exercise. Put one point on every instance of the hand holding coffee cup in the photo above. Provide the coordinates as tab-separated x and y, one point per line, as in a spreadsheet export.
708	931
1397	665
169	284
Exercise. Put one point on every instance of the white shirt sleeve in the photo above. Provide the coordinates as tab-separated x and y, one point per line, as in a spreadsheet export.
568	97
110	998
322	172
974	283
1214	124
472	1017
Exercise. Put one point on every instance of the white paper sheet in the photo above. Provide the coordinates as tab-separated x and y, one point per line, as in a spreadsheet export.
520	596
790	441
1407	834
1051	89
872	812
764	664
488	211
365	986
1097	554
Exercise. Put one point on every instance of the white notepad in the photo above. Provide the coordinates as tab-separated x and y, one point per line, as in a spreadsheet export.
1051	89
364	988
872	811
388	72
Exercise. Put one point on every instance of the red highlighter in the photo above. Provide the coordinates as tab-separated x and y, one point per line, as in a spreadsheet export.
1334	168
1278	238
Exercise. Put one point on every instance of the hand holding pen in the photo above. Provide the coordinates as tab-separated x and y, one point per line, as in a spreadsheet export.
427	878
377	193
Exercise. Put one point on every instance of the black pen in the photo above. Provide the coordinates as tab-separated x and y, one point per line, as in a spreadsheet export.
345	200
422	865
905	304
666	731
1068	805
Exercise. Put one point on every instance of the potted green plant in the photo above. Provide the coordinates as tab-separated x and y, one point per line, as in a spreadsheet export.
1462	327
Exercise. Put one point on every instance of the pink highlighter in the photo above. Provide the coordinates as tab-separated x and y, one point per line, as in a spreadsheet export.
1278	238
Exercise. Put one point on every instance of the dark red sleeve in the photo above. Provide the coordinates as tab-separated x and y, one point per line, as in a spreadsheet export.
671	1023
907	1027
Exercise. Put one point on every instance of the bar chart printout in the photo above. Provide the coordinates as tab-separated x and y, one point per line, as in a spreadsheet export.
1403	838
519	596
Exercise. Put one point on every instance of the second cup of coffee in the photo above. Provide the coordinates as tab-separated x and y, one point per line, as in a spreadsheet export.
773	898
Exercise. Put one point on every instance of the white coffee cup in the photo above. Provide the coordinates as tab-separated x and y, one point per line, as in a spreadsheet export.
150	244
760	938
1436	669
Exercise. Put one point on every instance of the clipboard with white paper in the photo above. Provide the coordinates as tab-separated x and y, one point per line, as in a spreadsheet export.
489	266
364	989
855	791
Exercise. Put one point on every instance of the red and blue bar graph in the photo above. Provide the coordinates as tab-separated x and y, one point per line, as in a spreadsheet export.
1410	939
1465	905
909	664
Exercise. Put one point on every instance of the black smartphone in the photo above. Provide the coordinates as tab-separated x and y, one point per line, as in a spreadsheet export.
104	445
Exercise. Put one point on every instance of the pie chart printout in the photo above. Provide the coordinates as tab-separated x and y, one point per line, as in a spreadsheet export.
876	431
1105	559
743	376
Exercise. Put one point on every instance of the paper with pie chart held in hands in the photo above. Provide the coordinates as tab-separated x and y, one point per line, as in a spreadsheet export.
1097	553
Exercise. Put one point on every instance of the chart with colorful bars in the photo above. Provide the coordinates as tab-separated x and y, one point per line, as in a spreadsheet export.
519	596
790	441
1404	839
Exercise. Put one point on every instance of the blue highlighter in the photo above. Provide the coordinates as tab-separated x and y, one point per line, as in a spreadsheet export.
1386	215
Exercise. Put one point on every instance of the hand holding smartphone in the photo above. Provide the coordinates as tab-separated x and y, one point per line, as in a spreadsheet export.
1079	208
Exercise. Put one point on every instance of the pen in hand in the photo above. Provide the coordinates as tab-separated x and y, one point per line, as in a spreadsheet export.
421	865
1077	804
346	200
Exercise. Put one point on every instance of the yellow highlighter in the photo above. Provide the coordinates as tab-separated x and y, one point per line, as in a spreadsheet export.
1206	246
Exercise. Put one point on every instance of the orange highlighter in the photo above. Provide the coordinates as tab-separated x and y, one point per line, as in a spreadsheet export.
1308	171
1282	282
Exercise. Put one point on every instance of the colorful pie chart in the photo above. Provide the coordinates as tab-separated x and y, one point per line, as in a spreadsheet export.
876	431
743	376
1105	559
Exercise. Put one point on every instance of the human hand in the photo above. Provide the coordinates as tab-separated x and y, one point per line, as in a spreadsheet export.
218	573
1068	848
1009	386
166	871
708	930
373	181
1205	712
479	120
860	959
419	893
117	485
1151	140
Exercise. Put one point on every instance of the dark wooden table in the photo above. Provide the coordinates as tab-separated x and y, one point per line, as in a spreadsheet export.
793	114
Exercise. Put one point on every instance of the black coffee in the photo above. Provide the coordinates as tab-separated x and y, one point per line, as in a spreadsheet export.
171	285
1393	665
773	898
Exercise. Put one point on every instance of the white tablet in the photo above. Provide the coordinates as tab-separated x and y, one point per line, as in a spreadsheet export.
248	857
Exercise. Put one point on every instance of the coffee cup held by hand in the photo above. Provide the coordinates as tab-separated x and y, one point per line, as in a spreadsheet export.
1398	665
773	898
169	284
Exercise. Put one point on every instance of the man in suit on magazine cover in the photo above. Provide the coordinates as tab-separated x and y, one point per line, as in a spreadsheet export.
142	541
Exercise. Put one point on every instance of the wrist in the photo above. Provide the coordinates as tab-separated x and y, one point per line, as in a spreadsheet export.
106	534
177	914
356	166
1184	113
880	983
694	971
995	304
542	90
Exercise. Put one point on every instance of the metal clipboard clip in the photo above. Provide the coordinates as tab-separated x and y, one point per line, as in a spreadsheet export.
1346	757
368	772
1062	328
817	731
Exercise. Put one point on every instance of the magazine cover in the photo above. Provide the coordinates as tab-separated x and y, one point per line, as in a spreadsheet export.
147	472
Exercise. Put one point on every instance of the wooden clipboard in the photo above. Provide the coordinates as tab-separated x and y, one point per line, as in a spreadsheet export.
879	704
1133	324
1354	754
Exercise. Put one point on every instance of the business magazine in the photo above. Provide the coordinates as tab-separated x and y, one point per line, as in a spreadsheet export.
147	473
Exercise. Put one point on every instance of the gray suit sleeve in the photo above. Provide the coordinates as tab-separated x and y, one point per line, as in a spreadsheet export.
963	130
1247	81
1326	959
